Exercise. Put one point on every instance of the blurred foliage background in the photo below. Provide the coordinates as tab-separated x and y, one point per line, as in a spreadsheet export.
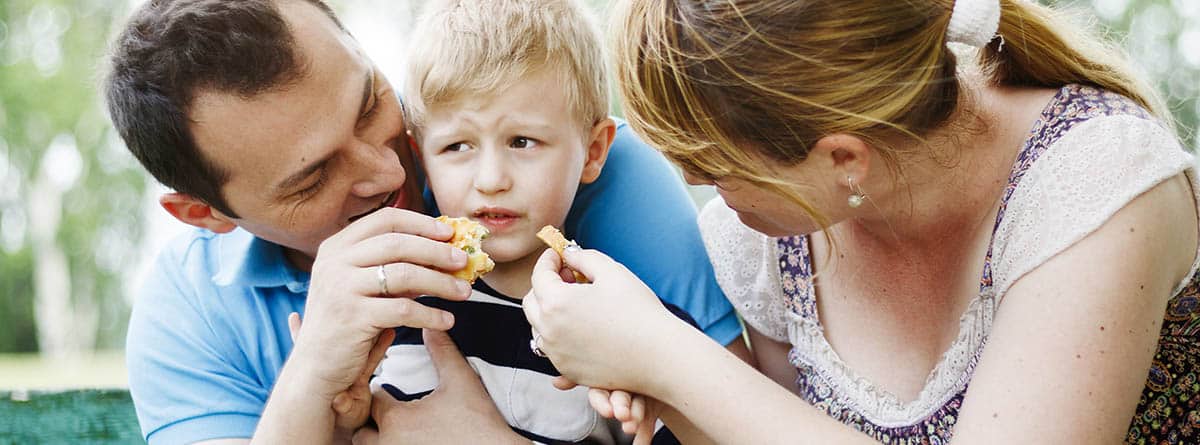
78	221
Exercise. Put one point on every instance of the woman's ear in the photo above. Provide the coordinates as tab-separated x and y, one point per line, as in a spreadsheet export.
601	140
194	212
845	155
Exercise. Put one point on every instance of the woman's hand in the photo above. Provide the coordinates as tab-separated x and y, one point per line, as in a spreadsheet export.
637	413
606	334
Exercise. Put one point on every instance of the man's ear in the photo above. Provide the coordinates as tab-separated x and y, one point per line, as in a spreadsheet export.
600	141
195	212
846	155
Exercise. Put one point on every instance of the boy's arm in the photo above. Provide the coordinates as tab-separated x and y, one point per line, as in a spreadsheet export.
639	213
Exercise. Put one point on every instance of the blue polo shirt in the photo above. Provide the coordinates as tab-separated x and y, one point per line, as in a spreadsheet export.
208	334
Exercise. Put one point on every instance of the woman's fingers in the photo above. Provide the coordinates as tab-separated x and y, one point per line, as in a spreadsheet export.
600	401
637	412
621	403
533	309
591	263
563	384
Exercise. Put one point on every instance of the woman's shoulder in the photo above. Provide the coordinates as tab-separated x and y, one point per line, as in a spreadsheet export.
746	265
1091	153
725	235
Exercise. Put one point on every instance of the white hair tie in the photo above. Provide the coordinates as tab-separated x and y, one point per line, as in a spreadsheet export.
974	22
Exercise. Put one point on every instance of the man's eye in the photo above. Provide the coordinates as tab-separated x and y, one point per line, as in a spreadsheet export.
522	142
372	110
457	147
311	190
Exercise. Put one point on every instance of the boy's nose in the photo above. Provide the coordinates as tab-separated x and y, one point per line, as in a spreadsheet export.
491	173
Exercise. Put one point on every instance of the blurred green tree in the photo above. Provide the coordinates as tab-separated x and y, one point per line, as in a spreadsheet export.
70	195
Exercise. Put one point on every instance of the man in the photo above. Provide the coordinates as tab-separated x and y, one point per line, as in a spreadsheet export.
287	148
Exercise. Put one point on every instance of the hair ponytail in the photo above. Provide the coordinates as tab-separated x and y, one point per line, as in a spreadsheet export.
1038	47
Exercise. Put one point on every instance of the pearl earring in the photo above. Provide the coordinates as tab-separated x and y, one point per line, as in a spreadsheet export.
856	194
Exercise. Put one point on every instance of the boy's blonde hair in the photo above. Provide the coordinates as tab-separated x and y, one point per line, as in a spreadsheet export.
467	48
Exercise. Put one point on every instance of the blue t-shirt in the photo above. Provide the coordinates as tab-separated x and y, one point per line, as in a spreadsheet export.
208	334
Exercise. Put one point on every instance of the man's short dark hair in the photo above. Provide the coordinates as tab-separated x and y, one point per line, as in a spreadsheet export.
172	49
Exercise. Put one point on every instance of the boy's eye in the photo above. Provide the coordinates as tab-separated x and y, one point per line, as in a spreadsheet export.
522	142
457	147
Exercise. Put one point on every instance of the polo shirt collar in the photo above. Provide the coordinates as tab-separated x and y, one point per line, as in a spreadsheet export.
245	260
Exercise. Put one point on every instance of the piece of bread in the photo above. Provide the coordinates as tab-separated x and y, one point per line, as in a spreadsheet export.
555	239
468	236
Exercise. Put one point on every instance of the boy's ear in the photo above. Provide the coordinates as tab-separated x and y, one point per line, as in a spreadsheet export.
601	140
195	212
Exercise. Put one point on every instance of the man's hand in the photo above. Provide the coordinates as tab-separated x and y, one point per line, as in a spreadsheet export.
393	254
363	279
352	407
458	411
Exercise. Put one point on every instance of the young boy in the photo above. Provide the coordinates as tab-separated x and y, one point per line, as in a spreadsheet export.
508	103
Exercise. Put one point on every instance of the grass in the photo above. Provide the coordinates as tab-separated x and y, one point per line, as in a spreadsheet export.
101	369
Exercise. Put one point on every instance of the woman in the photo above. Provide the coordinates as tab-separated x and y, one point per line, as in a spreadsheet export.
937	220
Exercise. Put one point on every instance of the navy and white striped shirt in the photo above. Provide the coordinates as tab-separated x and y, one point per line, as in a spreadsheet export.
491	331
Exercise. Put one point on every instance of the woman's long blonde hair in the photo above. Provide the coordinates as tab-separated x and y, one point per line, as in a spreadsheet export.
718	85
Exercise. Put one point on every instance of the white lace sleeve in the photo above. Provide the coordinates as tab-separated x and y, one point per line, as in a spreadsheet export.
1080	182
747	268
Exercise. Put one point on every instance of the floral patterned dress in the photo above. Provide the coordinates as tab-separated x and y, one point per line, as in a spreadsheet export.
1089	154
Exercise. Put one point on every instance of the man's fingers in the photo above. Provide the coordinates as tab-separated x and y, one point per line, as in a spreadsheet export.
600	401
384	405
410	280
343	403
377	353
294	325
366	436
390	219
407	248
563	384
451	365
406	312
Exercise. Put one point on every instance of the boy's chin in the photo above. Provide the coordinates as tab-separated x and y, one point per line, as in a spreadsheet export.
503	252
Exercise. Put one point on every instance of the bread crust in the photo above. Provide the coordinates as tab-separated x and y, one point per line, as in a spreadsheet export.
555	239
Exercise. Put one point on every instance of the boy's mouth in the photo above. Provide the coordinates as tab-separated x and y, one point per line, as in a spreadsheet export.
496	218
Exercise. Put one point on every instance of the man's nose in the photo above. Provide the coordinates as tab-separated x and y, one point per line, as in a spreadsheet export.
379	170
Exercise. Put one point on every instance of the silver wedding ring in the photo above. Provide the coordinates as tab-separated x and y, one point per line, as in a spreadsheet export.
535	345
382	275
